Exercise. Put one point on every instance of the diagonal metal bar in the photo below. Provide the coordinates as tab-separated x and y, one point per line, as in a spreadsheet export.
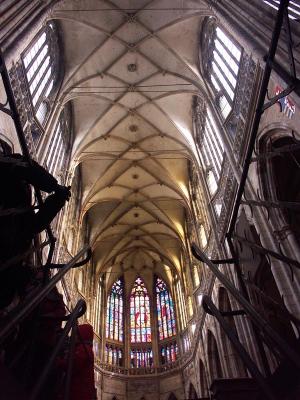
25	308
19	129
5	110
79	309
287	25
265	251
273	204
280	95
276	152
257	319
249	363
258	113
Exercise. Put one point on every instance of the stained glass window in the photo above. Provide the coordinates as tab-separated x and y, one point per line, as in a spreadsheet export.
165	310
140	326
113	355
141	358
114	314
169	353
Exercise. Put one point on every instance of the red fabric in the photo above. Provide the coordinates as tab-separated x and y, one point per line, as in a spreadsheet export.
82	381
137	314
52	311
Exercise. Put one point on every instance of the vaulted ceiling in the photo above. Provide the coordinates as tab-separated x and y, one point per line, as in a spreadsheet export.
131	71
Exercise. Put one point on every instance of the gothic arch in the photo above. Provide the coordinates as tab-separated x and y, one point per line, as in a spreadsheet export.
213	356
42	71
203	379
267	299
234	363
218	61
192	393
280	177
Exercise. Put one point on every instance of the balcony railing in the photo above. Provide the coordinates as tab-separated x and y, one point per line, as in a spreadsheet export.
105	367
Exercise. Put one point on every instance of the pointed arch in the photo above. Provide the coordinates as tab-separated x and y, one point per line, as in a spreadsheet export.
114	312
165	310
280	176
203	379
235	365
213	356
140	323
41	68
192	392
221	62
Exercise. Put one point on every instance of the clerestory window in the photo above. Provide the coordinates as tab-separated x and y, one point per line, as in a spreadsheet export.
293	9
57	152
40	63
221	63
212	152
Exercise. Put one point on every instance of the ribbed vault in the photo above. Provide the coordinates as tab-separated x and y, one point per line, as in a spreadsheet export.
131	71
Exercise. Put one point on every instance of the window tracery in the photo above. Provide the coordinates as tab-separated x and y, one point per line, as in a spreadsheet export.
113	355
141	358
56	156
165	310
140	324
221	62
294	8
41	69
114	312
211	152
169	353
140	352
203	236
181	305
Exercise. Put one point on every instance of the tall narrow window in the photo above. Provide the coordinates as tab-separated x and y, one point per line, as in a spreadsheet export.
114	314
182	309
141	358
140	327
294	8
165	310
203	237
113	355
196	278
212	152
40	63
168	353
98	307
221	65
56	156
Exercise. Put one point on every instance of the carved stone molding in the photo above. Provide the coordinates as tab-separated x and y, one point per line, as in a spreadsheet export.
236	122
22	96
